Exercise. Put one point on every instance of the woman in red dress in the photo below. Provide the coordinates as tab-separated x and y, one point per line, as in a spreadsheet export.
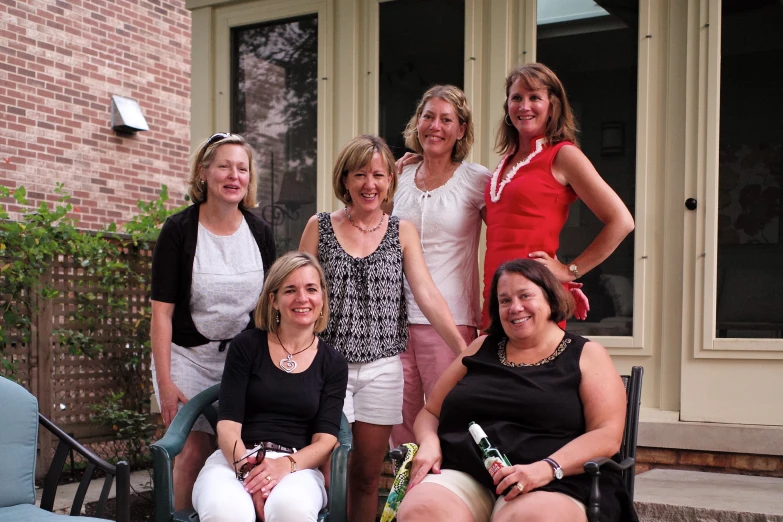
541	173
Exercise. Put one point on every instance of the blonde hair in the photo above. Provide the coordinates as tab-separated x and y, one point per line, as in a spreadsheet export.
457	99
561	125
265	314
205	153
356	154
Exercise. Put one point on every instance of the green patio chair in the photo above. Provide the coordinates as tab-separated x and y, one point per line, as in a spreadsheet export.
18	451
164	451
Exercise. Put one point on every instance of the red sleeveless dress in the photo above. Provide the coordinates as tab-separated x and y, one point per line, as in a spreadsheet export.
531	212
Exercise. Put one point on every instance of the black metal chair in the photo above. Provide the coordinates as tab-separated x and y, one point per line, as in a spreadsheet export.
18	450
164	451
627	464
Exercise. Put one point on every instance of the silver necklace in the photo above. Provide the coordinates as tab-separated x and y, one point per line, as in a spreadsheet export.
288	364
365	230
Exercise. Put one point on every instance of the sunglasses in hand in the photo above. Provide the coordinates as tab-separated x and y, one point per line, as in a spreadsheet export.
243	470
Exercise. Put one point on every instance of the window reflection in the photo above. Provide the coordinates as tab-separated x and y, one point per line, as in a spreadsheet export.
275	82
592	47
750	247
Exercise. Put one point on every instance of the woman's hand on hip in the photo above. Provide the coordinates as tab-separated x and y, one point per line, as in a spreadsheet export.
528	477
264	477
428	458
170	397
557	268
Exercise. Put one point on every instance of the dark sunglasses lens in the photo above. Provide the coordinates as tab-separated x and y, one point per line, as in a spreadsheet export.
217	137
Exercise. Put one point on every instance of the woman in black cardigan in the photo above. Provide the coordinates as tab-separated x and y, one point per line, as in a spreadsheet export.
207	273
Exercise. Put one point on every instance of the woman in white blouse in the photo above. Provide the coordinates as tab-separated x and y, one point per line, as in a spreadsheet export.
443	196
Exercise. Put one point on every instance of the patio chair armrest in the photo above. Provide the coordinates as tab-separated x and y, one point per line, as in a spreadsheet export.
119	472
593	468
168	447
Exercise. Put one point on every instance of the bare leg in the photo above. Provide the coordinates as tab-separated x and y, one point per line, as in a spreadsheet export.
364	470
433	503
540	506
198	446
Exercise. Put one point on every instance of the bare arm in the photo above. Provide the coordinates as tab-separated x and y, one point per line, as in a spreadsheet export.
424	290
160	338
572	167
425	429
309	241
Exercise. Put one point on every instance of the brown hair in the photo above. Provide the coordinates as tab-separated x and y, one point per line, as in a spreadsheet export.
561	125
356	154
265	313
457	99
560	301
203	157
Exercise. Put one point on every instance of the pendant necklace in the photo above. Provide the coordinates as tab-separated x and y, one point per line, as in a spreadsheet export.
288	364
365	230
494	190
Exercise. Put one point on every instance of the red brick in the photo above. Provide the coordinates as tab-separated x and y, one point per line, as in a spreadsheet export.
757	462
656	456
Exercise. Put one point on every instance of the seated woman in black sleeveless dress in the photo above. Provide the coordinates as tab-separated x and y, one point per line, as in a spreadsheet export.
548	399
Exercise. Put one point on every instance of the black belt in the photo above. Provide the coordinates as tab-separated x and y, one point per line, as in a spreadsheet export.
270	446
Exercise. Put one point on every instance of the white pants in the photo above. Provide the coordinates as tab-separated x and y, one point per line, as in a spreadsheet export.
219	497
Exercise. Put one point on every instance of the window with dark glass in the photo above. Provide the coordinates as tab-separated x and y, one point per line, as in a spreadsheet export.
592	47
421	44
750	246
275	107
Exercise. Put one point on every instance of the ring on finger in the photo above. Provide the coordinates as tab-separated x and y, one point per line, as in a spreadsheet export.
268	478
520	487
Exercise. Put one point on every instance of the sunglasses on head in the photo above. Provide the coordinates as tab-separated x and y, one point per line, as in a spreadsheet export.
245	468
217	137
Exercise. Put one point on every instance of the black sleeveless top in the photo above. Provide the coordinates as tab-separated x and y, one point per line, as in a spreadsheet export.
528	413
368	314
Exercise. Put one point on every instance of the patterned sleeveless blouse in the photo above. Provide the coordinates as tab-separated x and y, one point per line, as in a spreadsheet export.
368	318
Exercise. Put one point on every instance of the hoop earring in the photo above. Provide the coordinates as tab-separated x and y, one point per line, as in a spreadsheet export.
507	119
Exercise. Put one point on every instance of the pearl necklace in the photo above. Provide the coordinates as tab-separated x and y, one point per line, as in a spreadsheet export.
365	230
494	190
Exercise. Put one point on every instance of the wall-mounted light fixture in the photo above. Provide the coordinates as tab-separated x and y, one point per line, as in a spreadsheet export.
126	115
612	138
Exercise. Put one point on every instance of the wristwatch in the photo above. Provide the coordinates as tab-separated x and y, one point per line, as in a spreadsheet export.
574	270
555	467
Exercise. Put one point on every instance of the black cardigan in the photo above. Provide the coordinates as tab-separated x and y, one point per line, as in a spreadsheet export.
172	268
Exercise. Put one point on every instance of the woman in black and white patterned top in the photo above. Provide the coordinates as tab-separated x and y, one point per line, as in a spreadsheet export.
365	255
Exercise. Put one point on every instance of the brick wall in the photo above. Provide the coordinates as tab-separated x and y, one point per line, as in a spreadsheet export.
738	463
60	62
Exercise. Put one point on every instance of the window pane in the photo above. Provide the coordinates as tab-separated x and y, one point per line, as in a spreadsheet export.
592	48
275	69
422	43
750	250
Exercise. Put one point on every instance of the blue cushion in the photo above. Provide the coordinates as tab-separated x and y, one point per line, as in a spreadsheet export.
18	443
30	513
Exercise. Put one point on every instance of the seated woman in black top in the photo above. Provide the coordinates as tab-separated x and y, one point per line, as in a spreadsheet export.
282	393
547	399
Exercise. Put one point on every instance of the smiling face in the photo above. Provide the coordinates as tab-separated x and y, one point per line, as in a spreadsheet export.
228	175
439	128
369	185
529	110
299	299
523	307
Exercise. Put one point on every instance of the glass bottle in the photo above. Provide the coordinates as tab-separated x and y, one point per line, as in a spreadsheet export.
493	458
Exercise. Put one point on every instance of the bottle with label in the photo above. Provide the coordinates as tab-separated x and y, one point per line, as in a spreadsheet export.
493	458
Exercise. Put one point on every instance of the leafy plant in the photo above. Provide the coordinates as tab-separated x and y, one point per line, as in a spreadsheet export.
128	425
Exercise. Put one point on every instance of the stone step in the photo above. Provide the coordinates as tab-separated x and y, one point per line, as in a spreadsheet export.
663	495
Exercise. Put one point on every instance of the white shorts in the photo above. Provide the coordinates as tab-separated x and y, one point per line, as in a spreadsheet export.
480	500
374	393
218	495
194	370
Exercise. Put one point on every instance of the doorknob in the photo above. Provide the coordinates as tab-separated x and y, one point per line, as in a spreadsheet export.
690	204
